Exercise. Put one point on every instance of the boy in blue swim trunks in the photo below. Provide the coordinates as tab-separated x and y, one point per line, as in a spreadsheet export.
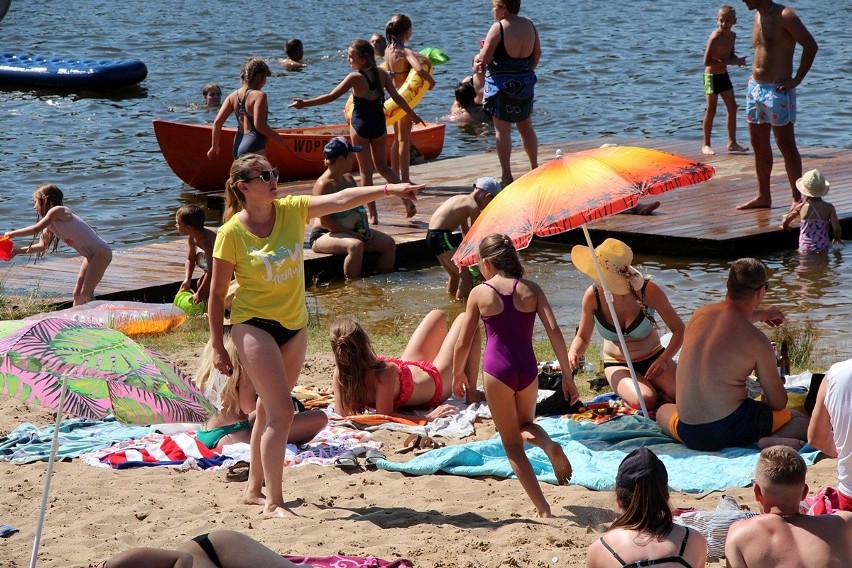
721	348
458	213
717	56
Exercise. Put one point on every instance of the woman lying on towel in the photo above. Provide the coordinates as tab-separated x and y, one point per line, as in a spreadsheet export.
220	548
421	378
238	402
644	534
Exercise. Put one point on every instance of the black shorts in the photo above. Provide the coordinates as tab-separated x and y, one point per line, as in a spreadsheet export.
641	367
279	333
715	83
440	241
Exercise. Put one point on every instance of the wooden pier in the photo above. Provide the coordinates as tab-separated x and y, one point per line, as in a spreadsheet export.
697	221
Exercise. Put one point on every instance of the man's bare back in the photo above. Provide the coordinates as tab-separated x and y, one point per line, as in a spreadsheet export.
794	541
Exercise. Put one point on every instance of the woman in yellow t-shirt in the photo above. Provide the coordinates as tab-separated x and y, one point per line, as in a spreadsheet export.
260	244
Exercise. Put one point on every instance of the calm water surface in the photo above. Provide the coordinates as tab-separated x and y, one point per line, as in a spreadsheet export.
632	71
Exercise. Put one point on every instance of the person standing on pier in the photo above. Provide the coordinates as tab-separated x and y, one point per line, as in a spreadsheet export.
771	96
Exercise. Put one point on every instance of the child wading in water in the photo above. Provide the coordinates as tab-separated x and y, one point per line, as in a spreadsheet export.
189	221
58	222
508	305
718	55
400	60
816	215
367	124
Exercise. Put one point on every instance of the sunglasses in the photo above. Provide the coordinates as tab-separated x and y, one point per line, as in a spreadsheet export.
764	285
266	176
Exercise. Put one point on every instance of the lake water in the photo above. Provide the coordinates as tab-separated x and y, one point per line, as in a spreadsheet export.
631	69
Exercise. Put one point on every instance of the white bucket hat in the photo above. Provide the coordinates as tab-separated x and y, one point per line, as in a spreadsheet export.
813	184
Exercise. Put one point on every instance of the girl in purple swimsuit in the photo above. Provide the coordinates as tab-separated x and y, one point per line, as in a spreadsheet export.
420	378
508	306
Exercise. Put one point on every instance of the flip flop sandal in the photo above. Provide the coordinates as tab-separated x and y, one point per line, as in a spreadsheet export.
238	472
372	457
412	442
347	460
426	444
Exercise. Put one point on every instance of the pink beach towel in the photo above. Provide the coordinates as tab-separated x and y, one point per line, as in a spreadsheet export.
338	561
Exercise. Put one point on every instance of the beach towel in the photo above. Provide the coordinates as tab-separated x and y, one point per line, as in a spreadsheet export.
170	451
77	436
595	451
338	561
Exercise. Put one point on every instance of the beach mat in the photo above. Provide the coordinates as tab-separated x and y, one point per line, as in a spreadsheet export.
595	451
338	561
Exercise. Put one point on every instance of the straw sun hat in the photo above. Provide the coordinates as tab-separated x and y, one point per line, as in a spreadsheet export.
614	257
813	184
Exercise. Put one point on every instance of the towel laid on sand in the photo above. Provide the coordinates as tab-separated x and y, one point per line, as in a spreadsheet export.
338	561
595	451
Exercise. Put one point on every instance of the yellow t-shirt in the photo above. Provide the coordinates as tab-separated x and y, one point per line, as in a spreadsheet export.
270	271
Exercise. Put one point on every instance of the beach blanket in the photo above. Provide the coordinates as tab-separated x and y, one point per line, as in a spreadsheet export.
338	561
169	451
595	451
77	436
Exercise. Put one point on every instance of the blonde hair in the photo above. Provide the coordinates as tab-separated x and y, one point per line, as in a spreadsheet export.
727	9
235	199
253	70
229	395
48	196
355	359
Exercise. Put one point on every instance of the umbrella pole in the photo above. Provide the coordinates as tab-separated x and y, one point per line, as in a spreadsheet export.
608	298
54	448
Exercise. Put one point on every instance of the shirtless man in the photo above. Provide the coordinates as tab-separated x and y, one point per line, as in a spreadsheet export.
721	348
771	96
781	537
458	212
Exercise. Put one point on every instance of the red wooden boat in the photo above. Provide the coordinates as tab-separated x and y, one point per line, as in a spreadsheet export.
185	148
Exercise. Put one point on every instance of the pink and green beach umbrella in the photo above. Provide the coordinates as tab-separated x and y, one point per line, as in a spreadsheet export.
91	371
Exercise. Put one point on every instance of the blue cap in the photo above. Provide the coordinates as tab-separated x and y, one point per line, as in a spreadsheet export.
488	185
338	146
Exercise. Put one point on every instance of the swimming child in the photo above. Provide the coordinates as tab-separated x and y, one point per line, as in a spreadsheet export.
379	44
718	55
458	213
464	109
58	222
816	215
508	305
295	52
400	60
250	105
420	378
367	124
189	221
212	94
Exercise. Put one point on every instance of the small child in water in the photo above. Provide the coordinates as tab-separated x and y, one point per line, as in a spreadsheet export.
458	213
59	222
717	56
212	94
189	221
465	110
816	215
295	52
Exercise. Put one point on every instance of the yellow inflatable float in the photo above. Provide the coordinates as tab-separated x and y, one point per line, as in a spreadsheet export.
412	90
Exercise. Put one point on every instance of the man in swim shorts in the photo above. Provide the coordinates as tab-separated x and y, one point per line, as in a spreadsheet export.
771	96
458	213
721	348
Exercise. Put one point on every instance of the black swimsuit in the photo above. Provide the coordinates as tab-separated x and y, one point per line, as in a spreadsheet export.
674	559
368	115
251	141
207	546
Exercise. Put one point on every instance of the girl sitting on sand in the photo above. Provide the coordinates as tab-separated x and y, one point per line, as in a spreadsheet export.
816	215
508	305
420	378
367	123
58	222
238	400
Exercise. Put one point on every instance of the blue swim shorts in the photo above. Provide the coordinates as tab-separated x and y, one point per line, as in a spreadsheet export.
764	104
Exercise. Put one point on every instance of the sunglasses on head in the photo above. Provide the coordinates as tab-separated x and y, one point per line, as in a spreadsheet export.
266	175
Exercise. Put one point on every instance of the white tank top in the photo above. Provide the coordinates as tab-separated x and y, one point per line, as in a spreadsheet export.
838	402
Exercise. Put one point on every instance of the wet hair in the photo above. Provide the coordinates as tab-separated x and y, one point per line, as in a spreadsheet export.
380	39
229	395
48	196
396	27
499	250
745	278
241	169
781	465
512	6
465	93
254	69
355	358
365	51
192	216
205	90
727	9
292	47
645	507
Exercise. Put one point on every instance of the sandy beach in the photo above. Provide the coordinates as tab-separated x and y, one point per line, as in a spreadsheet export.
444	521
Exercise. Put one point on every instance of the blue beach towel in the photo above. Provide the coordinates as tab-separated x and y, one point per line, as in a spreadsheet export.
595	452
